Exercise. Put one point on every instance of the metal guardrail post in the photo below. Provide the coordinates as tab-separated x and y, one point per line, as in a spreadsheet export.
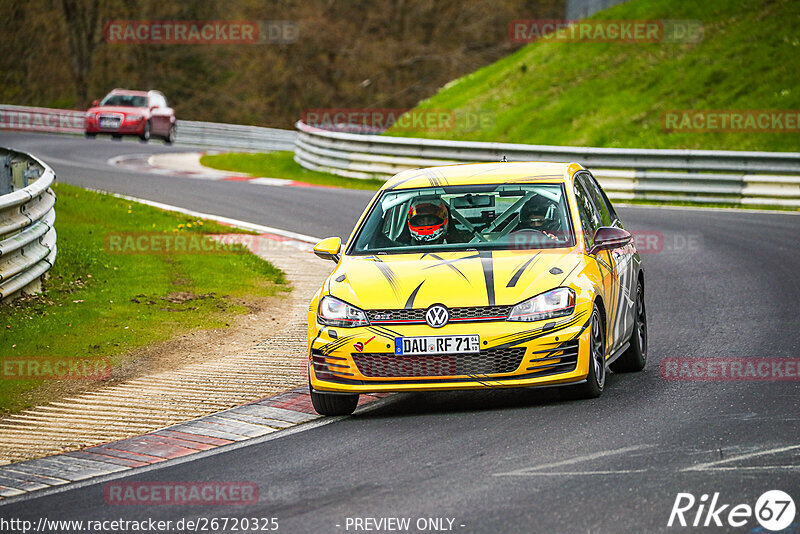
5	175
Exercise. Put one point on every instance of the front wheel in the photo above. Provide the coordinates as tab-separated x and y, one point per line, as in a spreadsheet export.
145	135
596	379
635	357
334	404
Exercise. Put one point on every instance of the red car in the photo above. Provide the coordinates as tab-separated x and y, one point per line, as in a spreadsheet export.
124	112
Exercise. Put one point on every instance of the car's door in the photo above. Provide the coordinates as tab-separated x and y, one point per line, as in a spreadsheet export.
623	262
591	220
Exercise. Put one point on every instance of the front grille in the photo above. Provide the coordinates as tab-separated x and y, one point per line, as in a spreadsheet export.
485	362
465	314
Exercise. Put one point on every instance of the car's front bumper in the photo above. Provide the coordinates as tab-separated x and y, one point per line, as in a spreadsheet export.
125	128
513	354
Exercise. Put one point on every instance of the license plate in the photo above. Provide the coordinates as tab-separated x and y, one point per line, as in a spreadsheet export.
109	123
409	346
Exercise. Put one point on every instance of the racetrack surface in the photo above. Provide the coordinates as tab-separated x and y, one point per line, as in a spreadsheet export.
725	284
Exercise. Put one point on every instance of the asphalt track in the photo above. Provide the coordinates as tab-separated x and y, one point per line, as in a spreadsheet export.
724	284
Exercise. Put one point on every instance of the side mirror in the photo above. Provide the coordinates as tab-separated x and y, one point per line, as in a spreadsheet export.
95	103
608	238
328	249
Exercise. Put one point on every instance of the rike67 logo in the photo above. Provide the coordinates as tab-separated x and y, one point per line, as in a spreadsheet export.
774	511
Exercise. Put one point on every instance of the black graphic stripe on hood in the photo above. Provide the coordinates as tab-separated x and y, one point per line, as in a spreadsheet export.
410	301
488	274
388	273
447	263
518	273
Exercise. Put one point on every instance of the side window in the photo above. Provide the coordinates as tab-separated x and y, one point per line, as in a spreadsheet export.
607	202
590	219
605	210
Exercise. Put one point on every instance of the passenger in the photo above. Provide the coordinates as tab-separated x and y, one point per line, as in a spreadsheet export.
539	213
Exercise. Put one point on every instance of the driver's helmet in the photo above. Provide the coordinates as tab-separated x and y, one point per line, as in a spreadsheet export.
537	213
428	219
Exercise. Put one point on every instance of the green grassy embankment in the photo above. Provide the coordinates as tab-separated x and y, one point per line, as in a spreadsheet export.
614	94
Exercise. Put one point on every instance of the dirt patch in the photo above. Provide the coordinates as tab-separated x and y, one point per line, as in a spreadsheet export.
265	317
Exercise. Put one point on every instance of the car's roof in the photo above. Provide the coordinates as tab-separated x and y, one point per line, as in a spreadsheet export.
483	173
130	92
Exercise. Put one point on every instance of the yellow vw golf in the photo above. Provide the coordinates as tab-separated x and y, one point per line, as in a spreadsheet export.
492	275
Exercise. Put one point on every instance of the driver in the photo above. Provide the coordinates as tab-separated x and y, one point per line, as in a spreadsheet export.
429	223
539	214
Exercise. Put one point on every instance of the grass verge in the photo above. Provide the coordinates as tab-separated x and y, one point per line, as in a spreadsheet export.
99	304
282	165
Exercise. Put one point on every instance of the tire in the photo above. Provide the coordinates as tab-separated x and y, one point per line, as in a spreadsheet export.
170	137
596	379
145	136
635	358
334	404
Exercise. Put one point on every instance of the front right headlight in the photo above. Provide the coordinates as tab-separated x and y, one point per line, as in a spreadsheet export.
558	302
334	312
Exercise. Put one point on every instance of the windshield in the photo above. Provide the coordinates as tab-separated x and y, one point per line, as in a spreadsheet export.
132	101
495	217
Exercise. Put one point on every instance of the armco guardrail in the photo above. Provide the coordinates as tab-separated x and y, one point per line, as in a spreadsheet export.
191	133
27	215
751	178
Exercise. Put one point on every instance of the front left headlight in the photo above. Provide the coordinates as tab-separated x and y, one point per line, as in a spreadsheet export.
134	118
334	312
558	302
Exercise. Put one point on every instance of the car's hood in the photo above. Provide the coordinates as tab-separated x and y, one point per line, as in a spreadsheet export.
118	109
455	279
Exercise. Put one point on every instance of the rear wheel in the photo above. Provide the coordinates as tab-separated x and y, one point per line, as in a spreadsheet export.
596	379
170	137
334	403
635	357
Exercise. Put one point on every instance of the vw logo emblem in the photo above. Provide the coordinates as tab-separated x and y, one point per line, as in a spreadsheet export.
437	316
